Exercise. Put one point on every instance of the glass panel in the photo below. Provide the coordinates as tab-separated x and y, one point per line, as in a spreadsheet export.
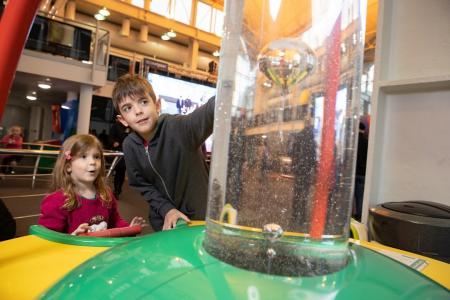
282	172
102	50
117	67
182	12
137	67
160	7
60	38
204	12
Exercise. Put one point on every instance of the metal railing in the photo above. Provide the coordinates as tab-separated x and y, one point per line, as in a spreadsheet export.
40	153
83	42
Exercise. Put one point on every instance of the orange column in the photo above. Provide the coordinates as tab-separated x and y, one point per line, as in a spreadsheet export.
14	27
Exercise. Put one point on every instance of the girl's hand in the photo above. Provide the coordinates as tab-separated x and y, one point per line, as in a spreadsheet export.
81	229
137	221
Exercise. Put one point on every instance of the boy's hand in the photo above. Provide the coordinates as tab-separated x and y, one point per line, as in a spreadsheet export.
171	218
137	221
81	229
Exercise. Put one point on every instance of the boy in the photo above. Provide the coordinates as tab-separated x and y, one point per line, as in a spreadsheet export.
163	155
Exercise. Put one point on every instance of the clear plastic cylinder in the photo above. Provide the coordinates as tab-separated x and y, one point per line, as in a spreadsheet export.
286	124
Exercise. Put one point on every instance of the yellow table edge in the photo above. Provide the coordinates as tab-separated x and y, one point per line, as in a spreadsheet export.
29	265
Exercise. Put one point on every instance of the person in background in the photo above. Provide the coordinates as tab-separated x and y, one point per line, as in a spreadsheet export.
360	174
104	139
13	140
304	164
117	134
163	153
82	200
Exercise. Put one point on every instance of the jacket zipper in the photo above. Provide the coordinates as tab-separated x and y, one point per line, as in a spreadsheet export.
157	173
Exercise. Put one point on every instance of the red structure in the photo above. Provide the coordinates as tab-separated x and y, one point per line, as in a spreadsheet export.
325	174
15	25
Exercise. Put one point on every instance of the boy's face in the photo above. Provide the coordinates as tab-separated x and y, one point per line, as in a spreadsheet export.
140	113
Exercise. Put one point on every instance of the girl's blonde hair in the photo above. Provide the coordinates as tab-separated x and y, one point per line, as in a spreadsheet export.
73	147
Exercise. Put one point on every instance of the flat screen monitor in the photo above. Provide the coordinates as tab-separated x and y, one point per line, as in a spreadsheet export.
181	97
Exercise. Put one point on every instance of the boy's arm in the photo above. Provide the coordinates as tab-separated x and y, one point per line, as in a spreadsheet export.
199	123
171	218
160	204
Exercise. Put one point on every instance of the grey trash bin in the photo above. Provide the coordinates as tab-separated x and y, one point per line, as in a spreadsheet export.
421	227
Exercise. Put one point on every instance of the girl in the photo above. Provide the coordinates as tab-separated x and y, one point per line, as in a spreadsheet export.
13	140
82	200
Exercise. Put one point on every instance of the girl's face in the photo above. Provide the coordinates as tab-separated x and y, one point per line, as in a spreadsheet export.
85	167
16	131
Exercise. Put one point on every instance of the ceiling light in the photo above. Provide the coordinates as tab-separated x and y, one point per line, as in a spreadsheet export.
31	97
216	53
99	17
45	85
165	37
88	62
267	84
104	12
171	34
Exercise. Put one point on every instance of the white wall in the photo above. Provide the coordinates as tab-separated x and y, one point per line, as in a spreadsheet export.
409	144
35	123
15	115
415	160
47	123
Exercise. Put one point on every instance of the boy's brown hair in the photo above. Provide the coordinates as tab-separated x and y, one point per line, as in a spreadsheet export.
130	85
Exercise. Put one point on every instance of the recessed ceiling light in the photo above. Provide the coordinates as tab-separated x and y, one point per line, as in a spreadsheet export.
104	12
31	97
165	37
45	85
171	34
99	17
267	84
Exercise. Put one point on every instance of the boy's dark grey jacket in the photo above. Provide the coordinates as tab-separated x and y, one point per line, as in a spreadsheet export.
176	175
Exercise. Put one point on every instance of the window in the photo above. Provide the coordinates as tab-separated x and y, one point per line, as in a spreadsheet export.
182	11
117	67
218	30
160	7
139	3
204	12
179	10
209	19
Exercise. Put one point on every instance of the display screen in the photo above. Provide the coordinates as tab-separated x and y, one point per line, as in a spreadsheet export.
181	97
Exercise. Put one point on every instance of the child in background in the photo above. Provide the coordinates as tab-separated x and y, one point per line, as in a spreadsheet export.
82	199
13	140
